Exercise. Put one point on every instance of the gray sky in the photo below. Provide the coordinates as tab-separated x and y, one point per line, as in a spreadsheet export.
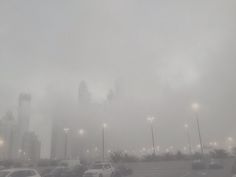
168	53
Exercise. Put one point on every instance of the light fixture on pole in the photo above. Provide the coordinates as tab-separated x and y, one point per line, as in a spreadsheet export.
186	126
195	108
104	125
66	130
151	120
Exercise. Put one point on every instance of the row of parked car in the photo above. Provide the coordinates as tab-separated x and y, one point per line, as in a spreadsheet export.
99	169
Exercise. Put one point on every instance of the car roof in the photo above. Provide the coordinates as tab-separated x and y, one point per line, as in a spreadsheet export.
102	163
17	169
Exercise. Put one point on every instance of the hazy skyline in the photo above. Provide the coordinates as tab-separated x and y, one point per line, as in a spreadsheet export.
167	54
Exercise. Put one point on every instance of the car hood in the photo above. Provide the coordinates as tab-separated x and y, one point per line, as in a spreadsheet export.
94	171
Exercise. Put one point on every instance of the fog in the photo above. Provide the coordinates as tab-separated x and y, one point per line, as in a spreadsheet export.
163	55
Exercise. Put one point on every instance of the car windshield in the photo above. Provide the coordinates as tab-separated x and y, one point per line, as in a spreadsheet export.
4	173
97	166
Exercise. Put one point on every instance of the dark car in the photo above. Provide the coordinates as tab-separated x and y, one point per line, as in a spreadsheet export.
45	171
122	171
199	164
57	172
233	171
78	171
215	164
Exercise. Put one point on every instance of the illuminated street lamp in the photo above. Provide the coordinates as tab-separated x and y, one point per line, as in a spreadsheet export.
215	144
230	142
198	146
230	139
186	126
81	132
1	142
66	131
195	108
104	125
151	120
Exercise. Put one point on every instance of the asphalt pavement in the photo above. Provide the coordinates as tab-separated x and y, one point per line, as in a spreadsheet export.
177	169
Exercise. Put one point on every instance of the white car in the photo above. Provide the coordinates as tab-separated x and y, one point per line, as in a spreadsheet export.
100	170
19	172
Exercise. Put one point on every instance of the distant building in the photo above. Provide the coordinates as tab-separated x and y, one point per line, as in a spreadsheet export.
30	147
23	118
57	141
74	123
24	113
84	95
8	136
15	139
110	96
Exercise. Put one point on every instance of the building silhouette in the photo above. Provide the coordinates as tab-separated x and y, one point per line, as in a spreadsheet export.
31	147
9	135
16	140
70	142
24	113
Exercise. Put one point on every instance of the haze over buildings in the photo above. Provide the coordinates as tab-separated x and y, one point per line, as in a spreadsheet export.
137	58
17	142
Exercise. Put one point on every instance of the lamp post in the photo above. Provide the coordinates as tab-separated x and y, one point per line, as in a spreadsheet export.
230	142
104	125
1	149
66	130
186	126
195	107
150	120
1	142
81	135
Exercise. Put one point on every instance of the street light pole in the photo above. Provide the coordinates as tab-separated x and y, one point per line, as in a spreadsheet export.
188	138
153	141
81	143
103	141
195	107
151	119
199	133
66	130
1	149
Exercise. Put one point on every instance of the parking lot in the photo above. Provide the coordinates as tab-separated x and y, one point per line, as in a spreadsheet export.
177	169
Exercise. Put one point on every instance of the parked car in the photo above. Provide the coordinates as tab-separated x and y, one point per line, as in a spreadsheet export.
58	172
78	171
233	171
100	170
19	172
215	164
199	164
123	171
46	171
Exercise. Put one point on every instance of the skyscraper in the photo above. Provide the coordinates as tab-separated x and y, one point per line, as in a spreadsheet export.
84	95
8	134
24	113
23	118
30	147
